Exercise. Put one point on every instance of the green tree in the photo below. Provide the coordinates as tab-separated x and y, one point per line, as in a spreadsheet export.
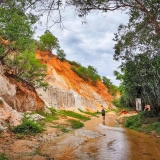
25	66
16	44
61	55
48	41
111	87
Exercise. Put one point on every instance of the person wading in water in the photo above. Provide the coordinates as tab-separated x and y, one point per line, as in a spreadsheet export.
103	113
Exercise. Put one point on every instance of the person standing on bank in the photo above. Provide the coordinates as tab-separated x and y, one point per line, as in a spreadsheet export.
103	113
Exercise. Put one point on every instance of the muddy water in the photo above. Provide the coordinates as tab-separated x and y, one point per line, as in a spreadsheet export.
103	140
118	143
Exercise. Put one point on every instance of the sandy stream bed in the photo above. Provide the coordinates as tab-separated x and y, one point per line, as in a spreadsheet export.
80	144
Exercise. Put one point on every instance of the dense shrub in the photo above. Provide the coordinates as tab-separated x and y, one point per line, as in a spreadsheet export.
28	127
133	122
87	73
3	156
116	102
148	114
156	126
144	122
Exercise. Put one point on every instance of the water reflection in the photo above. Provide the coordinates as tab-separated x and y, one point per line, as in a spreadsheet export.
103	122
118	143
114	145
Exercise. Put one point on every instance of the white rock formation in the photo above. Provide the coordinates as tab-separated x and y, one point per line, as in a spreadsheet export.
8	116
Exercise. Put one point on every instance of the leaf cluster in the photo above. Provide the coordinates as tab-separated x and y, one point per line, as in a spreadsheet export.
87	73
27	127
111	87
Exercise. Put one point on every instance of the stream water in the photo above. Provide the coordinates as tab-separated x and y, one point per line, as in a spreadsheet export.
120	143
113	143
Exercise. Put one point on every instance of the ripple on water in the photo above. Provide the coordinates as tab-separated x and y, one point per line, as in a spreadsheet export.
114	145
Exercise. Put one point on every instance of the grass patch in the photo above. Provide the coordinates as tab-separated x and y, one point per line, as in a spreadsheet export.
3	156
76	124
49	117
28	127
146	121
20	136
62	128
89	113
1	102
74	115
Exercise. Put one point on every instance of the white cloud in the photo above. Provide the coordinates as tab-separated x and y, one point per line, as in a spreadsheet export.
91	43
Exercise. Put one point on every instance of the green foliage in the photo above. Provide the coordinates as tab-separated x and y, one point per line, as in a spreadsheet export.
27	67
142	71
117	103
144	122
15	26
155	127
49	117
149	114
27	127
74	64
133	122
3	156
111	88
90	113
87	73
48	41
61	55
18	53
74	115
76	124
64	130
1	102
20	136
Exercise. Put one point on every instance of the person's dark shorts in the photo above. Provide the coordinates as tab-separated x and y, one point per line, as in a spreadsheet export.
103	114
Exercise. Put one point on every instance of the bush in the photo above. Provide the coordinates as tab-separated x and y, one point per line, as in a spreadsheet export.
27	127
148	114
133	122
156	126
48	116
117	103
76	124
3	156
1	102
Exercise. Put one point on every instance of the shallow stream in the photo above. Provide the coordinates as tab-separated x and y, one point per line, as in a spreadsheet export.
107	141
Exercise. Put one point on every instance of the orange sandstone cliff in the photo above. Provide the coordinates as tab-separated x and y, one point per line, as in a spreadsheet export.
67	90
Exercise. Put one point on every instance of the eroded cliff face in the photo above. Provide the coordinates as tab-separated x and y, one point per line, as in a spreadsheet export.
15	98
67	90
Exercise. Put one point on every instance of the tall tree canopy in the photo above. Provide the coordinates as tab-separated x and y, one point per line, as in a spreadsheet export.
17	47
137	43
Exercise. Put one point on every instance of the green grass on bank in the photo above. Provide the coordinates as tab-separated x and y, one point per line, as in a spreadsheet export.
146	121
3	156
74	115
28	127
76	124
62	128
94	114
49	117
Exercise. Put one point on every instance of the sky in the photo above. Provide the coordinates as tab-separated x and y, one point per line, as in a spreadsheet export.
89	43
